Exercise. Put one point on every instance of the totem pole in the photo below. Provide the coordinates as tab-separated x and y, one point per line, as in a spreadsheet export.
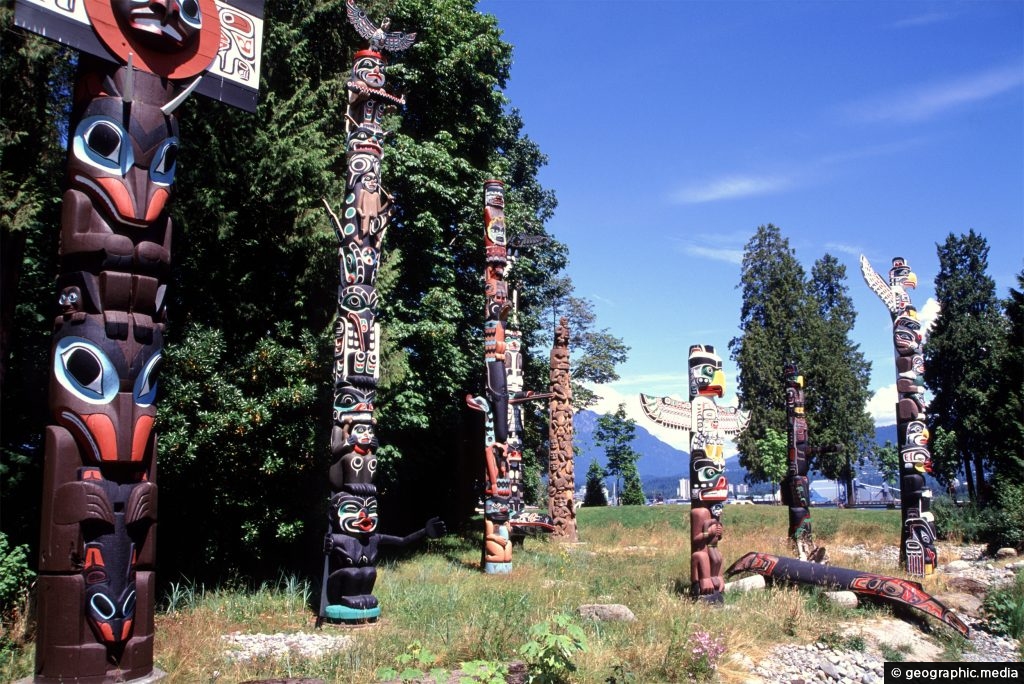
917	540
138	63
796	491
708	425
502	446
561	475
352	543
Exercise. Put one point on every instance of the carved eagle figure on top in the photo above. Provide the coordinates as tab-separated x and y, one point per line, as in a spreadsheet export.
380	38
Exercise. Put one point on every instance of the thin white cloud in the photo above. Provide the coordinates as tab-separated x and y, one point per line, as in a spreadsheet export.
923	20
731	187
844	249
925	102
731	256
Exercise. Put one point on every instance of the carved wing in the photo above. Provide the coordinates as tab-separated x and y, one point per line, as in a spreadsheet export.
878	285
672	413
397	41
360	21
731	420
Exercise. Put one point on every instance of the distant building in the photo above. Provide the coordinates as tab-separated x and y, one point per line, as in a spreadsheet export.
684	488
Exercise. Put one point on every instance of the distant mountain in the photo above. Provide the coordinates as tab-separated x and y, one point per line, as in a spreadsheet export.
662	466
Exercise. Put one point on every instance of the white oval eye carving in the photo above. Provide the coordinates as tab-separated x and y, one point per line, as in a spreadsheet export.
82	368
103	144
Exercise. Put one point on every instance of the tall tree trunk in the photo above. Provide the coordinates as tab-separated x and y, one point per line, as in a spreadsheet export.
969	478
13	249
979	476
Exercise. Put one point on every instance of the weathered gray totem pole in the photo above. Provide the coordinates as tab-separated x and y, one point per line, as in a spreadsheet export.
917	540
139	62
352	543
708	425
561	468
796	491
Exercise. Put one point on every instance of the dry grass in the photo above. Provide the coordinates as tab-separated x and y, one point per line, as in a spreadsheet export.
636	556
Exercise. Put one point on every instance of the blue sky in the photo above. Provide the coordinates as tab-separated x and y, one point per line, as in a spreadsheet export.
674	129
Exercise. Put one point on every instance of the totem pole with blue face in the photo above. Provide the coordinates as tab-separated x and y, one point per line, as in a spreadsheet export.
708	425
352	543
139	62
917	540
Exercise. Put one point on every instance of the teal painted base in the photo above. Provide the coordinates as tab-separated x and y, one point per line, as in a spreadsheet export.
346	614
497	568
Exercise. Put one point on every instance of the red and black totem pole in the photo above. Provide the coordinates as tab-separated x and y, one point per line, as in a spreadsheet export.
917	540
352	543
139	62
503	504
796	492
708	425
497	549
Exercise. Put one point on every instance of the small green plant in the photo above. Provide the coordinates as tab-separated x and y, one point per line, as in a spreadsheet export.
855	643
551	648
412	665
702	658
831	639
1004	608
15	575
620	675
483	672
891	654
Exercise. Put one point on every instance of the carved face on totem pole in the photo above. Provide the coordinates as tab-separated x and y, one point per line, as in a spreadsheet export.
125	164
163	24
368	69
354	514
706	376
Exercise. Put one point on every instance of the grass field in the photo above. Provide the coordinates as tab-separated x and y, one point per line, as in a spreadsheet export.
636	556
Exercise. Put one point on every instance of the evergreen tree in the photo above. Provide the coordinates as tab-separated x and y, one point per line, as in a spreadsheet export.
595	495
773	320
35	86
615	432
632	488
837	377
1007	414
962	354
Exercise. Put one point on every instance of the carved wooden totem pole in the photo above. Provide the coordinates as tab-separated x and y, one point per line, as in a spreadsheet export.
796	491
708	425
352	543
139	62
561	469
521	520
917	540
502	421
497	550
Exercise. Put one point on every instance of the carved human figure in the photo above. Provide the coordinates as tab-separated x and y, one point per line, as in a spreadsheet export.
561	466
917	541
708	425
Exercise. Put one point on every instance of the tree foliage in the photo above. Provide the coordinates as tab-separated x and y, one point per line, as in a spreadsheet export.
1007	411
772	452
615	432
244	415
836	377
787	316
773	319
595	495
962	353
